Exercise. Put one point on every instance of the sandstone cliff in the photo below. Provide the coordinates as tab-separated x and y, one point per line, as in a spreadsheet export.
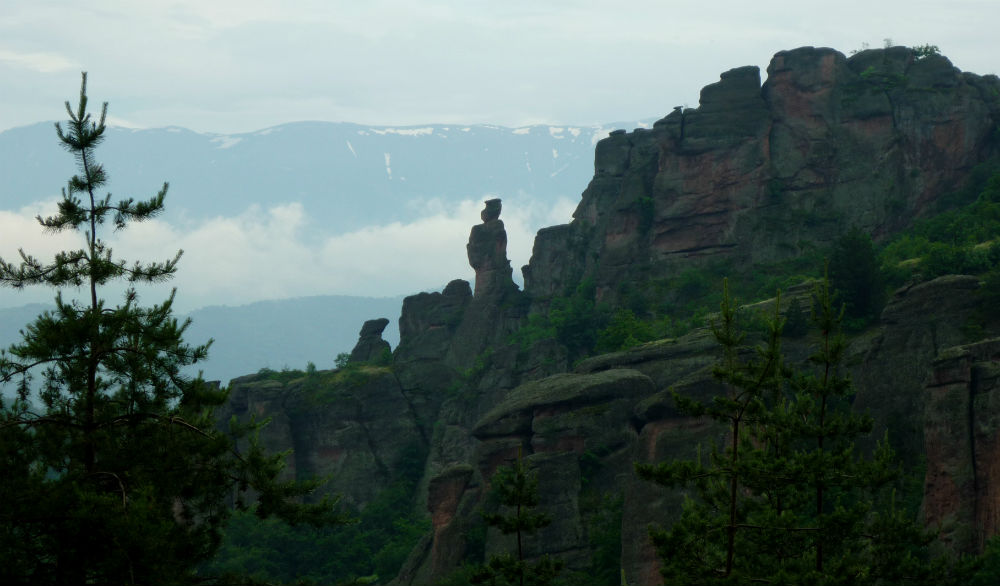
760	173
755	174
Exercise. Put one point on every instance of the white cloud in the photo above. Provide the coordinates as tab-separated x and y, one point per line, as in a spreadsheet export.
276	253
226	142
20	229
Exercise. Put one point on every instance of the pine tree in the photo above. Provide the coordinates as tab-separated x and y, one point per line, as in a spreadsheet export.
857	276
517	489
114	471
706	544
790	500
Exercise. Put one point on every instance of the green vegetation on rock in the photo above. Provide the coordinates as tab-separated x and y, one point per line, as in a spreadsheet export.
962	240
856	276
789	499
370	550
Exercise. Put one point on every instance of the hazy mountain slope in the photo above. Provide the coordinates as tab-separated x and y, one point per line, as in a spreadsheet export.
286	333
346	175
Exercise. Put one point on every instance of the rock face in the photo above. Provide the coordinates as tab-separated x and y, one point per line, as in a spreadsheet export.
920	323
962	415
754	174
355	426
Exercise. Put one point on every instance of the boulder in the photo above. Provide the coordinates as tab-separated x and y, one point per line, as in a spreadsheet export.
491	211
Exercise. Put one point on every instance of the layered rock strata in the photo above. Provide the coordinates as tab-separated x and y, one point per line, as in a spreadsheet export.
759	173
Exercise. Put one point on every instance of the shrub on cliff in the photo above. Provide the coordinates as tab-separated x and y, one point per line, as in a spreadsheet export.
856	275
624	331
963	240
574	320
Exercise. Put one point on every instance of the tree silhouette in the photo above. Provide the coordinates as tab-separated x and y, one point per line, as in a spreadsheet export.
114	471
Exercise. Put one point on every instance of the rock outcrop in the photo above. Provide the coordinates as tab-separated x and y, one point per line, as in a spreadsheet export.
757	173
760	173
920	323
371	347
487	251
354	425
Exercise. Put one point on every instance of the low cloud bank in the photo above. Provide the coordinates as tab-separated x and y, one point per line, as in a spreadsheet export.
281	251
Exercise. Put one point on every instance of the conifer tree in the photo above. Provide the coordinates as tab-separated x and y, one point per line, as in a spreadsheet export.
114	471
517	489
857	277
790	500
706	543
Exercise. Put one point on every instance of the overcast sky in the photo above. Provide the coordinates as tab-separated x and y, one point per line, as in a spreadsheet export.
241	65
232	66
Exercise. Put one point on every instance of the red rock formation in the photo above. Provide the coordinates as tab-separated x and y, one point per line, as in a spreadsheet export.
444	495
962	435
826	144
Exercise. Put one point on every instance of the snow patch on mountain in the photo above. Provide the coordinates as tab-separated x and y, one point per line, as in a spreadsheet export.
226	142
404	131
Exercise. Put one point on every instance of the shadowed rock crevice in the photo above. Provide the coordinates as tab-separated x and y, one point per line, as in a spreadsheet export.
962	430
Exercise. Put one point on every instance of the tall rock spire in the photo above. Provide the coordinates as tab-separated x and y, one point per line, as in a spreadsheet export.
487	250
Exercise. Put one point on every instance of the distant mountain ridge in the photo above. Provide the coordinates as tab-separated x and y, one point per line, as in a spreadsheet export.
346	175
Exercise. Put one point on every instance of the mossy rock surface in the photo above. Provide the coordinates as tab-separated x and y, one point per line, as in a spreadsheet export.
568	390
